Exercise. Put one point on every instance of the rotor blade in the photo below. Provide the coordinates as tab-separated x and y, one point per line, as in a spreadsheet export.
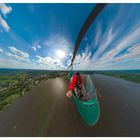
69	66
94	13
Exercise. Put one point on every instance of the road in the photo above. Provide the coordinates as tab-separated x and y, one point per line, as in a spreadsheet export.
46	111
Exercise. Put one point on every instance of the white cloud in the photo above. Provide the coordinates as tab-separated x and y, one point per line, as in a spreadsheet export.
86	61
18	55
4	24
108	54
18	58
131	53
106	58
116	39
39	47
18	52
109	60
1	50
109	57
97	35
50	63
129	39
14	63
5	9
34	48
83	61
108	38
58	42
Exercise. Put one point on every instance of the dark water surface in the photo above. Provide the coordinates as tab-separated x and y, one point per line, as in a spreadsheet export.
46	111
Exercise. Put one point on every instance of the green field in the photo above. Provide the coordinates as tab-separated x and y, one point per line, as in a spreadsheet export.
16	83
130	76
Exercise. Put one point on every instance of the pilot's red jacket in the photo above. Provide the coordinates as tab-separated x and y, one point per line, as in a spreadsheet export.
75	80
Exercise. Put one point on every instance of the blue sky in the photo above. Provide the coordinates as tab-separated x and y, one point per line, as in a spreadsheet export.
42	36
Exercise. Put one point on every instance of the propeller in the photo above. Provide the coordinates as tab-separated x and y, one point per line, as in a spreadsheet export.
90	19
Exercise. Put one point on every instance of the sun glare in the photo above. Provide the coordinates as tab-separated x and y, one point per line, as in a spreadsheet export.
60	54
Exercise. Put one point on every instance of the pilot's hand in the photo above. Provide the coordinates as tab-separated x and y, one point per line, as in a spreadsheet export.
69	94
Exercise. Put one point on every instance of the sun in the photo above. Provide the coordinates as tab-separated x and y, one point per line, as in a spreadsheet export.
60	54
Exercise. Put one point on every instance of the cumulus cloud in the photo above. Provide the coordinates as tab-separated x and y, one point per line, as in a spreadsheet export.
4	24
5	9
1	50
86	61
50	63
83	61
